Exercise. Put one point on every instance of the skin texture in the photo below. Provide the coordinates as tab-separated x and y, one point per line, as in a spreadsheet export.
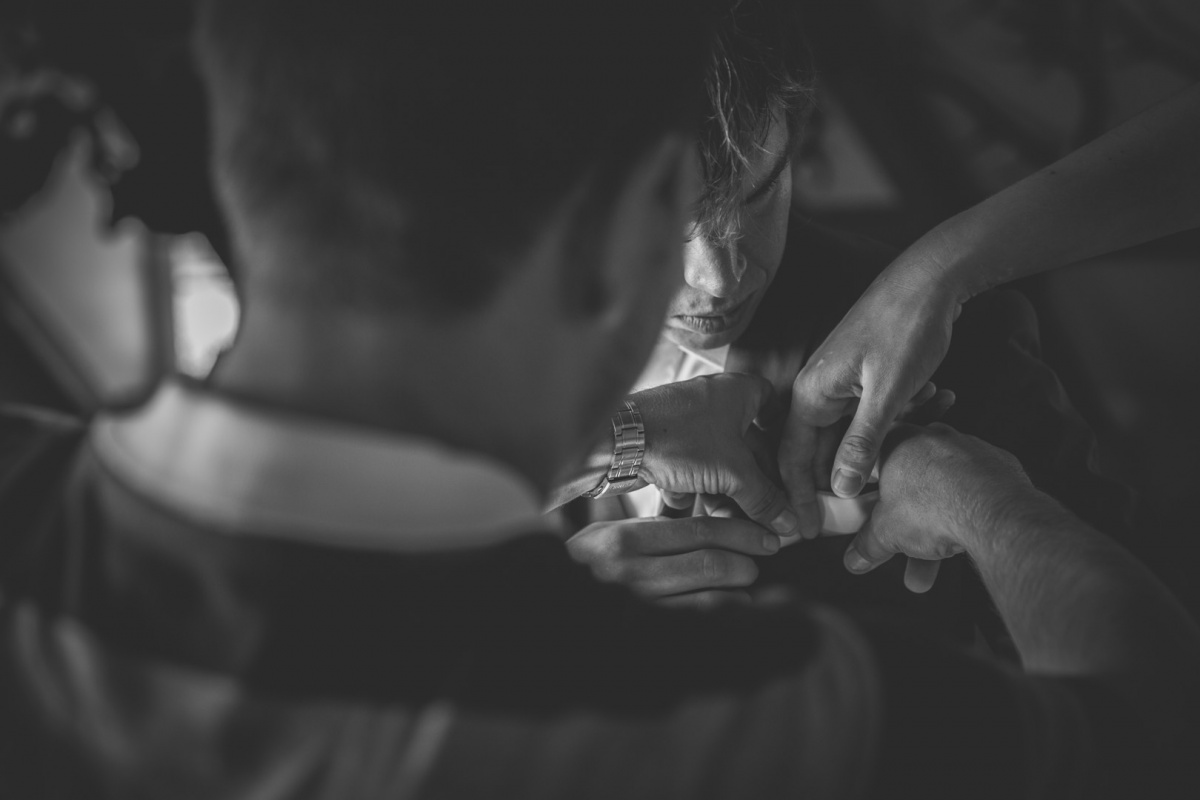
1139	182
377	368
1075	602
682	561
699	434
724	285
701	439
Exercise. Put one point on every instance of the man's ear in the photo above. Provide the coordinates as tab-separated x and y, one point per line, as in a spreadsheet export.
639	258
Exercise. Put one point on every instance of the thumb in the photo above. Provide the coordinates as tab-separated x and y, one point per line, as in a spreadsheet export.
919	574
859	450
797	454
761	500
866	550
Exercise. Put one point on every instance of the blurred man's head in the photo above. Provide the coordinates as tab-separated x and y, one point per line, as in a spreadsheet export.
481	170
760	90
408	154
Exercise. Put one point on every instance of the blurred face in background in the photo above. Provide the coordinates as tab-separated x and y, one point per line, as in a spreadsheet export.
725	282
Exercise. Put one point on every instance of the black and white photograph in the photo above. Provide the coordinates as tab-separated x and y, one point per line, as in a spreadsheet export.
599	399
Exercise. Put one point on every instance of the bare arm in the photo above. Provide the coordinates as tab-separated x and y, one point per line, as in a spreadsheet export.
1139	182
1076	604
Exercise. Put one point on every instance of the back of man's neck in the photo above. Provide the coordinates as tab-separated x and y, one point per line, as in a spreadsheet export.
424	383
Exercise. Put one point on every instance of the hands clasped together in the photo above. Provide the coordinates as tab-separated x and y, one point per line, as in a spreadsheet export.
701	439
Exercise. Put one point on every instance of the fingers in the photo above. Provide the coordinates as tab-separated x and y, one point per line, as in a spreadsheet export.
866	551
718	505
828	441
931	410
921	398
661	537
763	501
860	446
689	572
797	452
707	600
941	403
919	574
658	557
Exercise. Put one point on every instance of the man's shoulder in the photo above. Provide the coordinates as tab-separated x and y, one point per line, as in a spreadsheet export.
812	735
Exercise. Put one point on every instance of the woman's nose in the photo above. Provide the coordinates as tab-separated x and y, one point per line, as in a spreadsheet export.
713	269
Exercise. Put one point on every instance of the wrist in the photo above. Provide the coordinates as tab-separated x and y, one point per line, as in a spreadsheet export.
987	245
952	259
653	405
994	521
629	447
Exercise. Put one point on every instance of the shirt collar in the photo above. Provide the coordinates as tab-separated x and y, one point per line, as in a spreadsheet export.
710	359
246	470
670	363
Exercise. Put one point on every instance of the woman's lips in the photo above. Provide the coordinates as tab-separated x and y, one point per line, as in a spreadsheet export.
714	323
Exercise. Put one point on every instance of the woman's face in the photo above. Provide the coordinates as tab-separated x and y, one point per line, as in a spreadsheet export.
725	284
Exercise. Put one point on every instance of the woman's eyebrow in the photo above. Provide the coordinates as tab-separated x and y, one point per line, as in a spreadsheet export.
780	165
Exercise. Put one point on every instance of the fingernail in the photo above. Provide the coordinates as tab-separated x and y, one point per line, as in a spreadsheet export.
847	483
785	524
770	543
854	562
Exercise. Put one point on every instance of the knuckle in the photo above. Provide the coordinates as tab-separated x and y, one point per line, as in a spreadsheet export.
723	568
712	565
870	547
745	571
759	501
857	448
624	542
614	570
753	491
588	544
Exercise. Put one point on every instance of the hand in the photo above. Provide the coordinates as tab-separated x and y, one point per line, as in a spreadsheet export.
875	361
938	490
701	439
698	561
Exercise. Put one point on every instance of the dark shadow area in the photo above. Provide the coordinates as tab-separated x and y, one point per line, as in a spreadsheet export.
930	107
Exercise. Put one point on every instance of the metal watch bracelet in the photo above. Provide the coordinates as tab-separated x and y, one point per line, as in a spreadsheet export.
629	447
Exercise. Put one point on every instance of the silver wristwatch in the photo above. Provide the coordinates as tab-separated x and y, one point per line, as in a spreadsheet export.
629	436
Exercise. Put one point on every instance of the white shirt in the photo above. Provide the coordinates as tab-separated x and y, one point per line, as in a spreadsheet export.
245	470
670	363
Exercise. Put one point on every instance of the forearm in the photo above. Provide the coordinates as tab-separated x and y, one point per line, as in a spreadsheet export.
1077	604
1138	182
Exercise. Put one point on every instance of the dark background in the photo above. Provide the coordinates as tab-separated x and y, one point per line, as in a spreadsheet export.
927	107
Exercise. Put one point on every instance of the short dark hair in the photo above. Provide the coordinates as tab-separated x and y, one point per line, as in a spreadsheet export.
434	139
759	66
